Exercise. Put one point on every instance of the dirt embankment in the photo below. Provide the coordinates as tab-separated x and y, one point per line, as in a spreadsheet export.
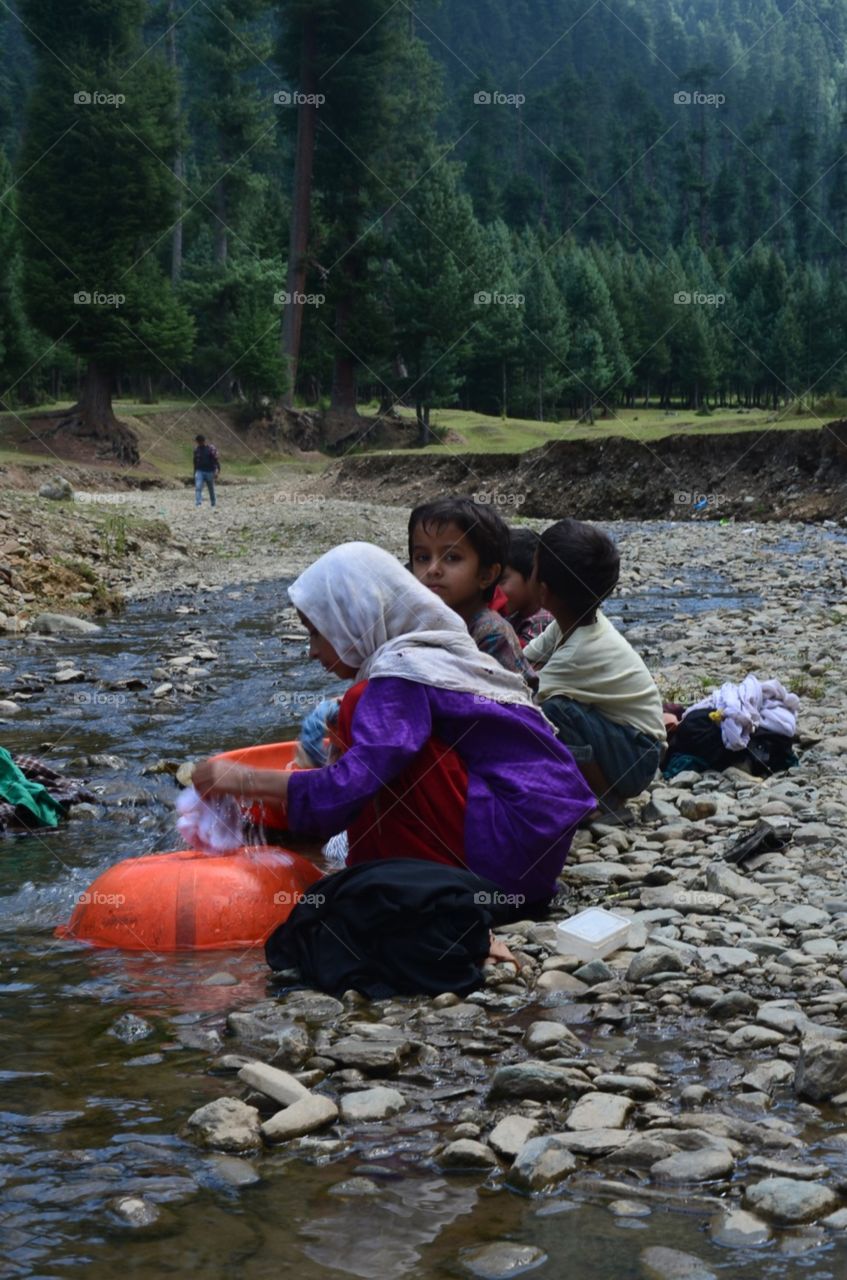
776	475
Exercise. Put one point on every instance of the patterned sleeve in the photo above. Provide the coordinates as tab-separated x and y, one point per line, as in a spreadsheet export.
493	635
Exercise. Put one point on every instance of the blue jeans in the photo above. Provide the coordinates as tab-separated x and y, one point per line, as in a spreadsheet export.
201	478
627	757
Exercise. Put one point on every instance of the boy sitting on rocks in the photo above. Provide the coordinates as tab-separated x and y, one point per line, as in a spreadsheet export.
593	686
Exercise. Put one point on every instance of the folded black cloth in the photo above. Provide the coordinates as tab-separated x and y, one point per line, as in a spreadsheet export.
400	926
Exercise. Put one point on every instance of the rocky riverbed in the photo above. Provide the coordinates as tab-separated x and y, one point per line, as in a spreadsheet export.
703	1068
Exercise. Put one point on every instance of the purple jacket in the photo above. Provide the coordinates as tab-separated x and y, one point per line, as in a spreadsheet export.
525	793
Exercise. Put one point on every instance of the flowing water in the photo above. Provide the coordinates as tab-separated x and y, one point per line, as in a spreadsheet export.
88	1115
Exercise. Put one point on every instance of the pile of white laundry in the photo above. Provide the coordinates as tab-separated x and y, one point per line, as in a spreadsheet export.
212	824
754	704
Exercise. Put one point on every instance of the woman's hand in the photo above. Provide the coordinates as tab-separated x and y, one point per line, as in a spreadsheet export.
222	777
225	778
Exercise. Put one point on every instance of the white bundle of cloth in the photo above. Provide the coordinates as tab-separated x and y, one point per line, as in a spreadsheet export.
753	704
211	824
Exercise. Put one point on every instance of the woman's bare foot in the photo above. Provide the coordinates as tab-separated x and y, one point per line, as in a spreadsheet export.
499	953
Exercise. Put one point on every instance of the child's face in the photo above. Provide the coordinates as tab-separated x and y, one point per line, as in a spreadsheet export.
523	597
322	651
444	560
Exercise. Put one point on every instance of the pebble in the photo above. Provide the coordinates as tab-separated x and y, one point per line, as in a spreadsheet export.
371	1104
738	1229
694	1166
509	1135
227	1124
542	1163
502	1259
659	1263
304	1116
599	1111
465	1153
788	1200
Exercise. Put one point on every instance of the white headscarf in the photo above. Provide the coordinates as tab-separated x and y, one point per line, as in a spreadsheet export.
381	620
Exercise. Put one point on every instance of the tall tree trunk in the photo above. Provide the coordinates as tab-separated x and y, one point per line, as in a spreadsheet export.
93	418
179	158
301	207
504	390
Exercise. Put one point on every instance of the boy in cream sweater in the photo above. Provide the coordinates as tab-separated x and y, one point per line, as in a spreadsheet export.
593	686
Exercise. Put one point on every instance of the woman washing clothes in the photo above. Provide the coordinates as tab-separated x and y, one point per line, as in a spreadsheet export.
445	758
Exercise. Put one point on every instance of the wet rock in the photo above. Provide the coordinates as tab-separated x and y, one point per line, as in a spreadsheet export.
738	1229
821	1070
629	1209
541	1163
372	1104
466	1153
63	624
304	1116
599	1111
129	1028
8	708
787	1200
377	1055
753	1037
594	1143
788	1168
694	1166
640	1087
543	1035
594	972
512	1132
768	1076
533	1079
803	917
273	1083
234	1172
227	1124
659	1263
502	1259
837	1220
355	1187
557	980
135	1212
653	960
732	1003
221	979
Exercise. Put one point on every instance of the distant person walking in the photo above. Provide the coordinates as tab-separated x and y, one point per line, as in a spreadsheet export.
207	468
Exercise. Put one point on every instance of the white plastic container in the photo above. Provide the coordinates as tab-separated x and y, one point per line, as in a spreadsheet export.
592	934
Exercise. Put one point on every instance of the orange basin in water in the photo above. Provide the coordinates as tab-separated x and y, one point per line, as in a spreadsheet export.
273	755
189	901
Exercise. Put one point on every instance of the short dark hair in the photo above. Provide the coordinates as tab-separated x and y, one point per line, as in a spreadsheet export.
200	439
484	528
580	564
523	544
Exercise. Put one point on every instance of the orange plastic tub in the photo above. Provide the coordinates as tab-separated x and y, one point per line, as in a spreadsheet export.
188	901
273	755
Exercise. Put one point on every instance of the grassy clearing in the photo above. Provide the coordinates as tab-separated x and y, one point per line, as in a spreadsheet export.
475	433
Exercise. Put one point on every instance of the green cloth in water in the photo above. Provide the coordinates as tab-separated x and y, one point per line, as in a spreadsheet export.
16	789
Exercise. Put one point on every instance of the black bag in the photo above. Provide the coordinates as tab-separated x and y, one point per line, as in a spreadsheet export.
698	735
